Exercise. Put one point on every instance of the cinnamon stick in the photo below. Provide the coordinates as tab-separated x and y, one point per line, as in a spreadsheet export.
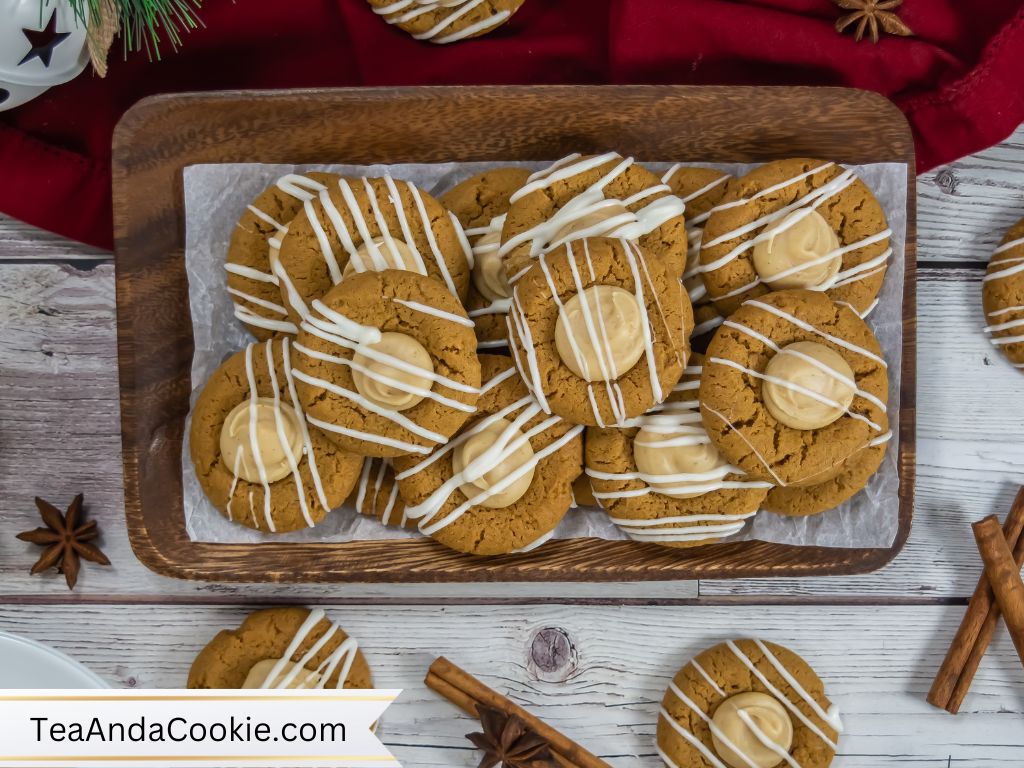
465	691
1004	576
979	623
988	630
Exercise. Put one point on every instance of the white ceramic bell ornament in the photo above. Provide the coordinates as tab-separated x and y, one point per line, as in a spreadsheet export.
42	44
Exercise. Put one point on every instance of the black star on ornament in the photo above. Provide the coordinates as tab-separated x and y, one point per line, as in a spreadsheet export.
43	41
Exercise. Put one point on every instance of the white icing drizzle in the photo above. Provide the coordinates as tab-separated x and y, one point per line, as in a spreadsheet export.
251	273
393	14
494	381
812	329
254	445
434	312
535	544
307	448
676	417
783	699
383	466
277	309
377	259
798	388
298	187
710	680
707	325
1009	246
631	225
882	439
467	249
1005	326
831	718
596	333
808	203
685	531
1005	311
343	656
1008	272
337	329
715	730
428	510
753	450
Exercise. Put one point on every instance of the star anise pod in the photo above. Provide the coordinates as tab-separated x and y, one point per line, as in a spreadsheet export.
873	17
66	539
506	741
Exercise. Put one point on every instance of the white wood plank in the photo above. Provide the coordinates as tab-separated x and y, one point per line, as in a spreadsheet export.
964	208
21	241
877	664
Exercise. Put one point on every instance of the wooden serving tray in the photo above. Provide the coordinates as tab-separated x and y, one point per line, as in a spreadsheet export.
161	135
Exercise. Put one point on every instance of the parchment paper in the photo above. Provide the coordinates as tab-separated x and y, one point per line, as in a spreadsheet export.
215	197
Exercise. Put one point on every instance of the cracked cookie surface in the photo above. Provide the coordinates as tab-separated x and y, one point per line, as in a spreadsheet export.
636	507
478	202
251	281
741	666
324	237
289	506
733	409
604	183
1003	296
399	302
266	635
857	471
528	521
756	202
569	270
700	189
446	22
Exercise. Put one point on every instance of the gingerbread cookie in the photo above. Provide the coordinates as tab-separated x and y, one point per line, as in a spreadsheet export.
582	488
747	704
369	225
595	196
252	282
797	223
700	189
480	203
256	455
793	385
662	480
599	330
801	501
505	481
386	364
377	496
1003	296
447	21
282	648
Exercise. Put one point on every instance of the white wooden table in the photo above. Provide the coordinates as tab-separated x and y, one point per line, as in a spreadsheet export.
877	640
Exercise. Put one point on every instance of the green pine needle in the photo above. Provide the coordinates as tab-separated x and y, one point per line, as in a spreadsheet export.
145	22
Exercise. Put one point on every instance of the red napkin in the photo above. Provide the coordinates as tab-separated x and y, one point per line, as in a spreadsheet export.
959	80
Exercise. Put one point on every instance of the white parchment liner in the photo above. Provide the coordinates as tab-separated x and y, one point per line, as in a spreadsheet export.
217	194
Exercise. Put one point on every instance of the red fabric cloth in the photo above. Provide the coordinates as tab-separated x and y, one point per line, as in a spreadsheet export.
959	80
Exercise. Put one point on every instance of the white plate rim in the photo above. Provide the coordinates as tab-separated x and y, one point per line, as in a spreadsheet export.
57	655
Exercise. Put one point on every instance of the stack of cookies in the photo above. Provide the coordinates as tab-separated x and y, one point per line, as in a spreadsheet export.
474	365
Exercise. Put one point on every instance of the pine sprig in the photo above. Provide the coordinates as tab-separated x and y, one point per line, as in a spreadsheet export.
144	23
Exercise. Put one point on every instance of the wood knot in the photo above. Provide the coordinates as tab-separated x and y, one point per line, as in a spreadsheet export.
552	655
946	181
